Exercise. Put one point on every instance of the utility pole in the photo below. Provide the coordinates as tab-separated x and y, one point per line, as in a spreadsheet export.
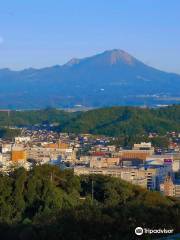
8	113
51	177
92	191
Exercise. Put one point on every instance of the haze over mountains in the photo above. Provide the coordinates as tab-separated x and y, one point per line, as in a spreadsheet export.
109	78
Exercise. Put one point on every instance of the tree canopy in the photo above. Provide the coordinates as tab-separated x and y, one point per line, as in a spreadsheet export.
113	121
48	203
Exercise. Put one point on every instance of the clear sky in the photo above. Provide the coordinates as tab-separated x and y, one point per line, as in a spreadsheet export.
39	33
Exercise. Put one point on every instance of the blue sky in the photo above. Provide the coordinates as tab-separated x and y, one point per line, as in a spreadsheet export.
40	33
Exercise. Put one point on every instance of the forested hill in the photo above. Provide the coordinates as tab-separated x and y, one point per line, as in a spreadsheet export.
114	121
117	121
47	203
33	117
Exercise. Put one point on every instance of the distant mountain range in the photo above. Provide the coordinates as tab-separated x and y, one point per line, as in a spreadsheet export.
109	78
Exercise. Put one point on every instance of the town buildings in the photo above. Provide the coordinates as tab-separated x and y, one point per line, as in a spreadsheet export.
88	154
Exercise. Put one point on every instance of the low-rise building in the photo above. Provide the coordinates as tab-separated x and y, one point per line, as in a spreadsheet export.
167	187
103	162
145	178
144	146
45	154
18	154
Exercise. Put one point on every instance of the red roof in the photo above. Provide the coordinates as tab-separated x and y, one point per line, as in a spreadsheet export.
99	154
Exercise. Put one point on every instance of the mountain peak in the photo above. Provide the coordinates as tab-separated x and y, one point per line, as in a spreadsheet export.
117	55
109	57
108	78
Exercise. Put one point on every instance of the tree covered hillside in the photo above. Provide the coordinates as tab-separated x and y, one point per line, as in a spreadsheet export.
47	203
113	121
32	117
119	121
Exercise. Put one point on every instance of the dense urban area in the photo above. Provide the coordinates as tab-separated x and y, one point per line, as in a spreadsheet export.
80	175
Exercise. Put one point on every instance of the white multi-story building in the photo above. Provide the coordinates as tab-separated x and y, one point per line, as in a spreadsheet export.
42	154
